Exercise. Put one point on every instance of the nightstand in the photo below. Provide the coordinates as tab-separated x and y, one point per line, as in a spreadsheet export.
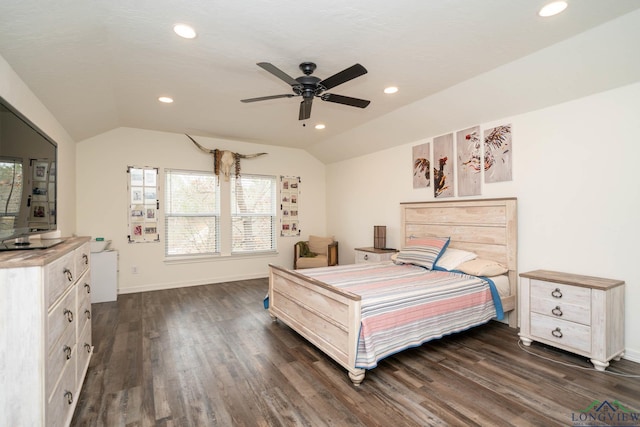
580	314
373	255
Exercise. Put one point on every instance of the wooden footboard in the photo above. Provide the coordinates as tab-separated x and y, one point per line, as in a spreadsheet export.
326	316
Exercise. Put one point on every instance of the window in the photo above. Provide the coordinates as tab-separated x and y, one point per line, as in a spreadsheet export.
253	213
192	213
10	186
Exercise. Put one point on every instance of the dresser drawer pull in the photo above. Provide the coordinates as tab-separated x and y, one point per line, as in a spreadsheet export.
67	351
557	333
556	311
69	397
87	347
69	314
88	314
556	293
85	258
67	273
366	257
87	287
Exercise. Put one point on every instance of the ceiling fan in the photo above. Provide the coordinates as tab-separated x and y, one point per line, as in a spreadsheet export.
309	86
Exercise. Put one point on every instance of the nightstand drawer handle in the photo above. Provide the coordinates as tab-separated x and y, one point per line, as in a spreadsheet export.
366	257
556	293
69	396
556	311
557	333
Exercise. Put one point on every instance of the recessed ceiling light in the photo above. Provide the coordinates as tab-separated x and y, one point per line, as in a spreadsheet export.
185	31
165	99
320	126
553	8
391	89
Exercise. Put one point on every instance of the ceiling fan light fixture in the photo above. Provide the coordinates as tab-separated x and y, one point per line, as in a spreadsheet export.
184	31
165	99
552	8
390	89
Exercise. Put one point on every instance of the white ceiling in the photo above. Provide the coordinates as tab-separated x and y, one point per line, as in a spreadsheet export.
101	64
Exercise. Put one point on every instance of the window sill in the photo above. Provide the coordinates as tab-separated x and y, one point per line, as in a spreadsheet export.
188	259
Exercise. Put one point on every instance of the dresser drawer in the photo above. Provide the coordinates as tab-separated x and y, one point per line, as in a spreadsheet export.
562	332
62	318
82	259
57	277
84	301
62	354
84	351
62	400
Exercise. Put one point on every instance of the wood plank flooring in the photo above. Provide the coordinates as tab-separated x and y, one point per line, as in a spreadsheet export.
211	356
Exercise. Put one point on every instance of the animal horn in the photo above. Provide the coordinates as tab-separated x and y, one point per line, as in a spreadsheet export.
206	150
251	156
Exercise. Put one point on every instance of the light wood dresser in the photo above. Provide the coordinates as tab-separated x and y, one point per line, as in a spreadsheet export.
45	318
373	255
580	314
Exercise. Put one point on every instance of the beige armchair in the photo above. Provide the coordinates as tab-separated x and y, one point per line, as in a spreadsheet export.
325	248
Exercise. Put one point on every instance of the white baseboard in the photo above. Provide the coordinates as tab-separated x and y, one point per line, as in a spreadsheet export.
163	286
632	355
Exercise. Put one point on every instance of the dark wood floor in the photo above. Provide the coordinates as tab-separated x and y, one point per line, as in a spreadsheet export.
211	356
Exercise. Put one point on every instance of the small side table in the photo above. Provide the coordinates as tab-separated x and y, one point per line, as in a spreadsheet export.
580	314
372	254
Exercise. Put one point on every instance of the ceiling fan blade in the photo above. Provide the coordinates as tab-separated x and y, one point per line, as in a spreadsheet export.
264	98
346	100
278	73
305	109
343	76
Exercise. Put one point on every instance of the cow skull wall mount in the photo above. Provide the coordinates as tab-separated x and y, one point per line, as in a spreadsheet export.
223	160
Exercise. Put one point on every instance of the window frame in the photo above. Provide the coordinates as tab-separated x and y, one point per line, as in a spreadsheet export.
273	214
169	213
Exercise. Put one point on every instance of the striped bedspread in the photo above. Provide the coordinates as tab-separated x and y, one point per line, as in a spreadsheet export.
405	305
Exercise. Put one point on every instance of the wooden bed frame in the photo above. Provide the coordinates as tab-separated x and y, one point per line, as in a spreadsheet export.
329	317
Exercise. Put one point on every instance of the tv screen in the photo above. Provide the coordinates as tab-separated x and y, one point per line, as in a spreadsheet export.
28	186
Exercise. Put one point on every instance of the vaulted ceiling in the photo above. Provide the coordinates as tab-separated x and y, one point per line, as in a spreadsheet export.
98	65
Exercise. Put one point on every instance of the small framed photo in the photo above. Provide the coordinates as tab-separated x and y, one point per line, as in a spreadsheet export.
39	211
150	195
137	212
137	177
136	195
39	192
40	171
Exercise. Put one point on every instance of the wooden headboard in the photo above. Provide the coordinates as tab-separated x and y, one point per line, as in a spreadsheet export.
487	227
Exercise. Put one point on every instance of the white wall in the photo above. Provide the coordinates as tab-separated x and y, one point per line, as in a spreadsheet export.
102	207
575	169
14	91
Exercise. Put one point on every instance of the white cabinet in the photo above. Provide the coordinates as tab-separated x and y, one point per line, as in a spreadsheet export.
580	314
373	255
45	346
104	266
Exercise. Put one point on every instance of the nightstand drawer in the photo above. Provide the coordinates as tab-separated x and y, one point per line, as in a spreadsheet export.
562	309
373	255
568	334
578	296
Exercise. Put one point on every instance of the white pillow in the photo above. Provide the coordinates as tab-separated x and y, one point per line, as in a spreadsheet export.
452	257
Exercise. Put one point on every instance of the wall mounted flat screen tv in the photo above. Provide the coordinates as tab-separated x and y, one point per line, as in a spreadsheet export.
28	184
